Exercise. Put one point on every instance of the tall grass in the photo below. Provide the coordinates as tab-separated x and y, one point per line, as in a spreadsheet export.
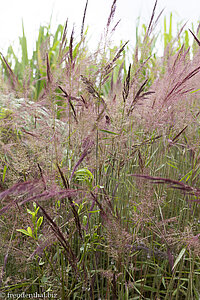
100	166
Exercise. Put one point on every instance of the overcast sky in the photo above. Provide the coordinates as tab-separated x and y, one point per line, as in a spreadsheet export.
39	12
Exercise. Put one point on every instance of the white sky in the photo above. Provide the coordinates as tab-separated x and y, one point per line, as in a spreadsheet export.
36	12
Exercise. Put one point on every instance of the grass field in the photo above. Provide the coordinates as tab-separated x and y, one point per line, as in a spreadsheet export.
99	166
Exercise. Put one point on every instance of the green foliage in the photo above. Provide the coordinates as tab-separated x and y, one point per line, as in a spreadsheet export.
31	73
110	154
84	176
168	37
37	222
7	132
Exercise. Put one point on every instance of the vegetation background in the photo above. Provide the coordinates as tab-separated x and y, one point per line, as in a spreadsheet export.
138	12
99	163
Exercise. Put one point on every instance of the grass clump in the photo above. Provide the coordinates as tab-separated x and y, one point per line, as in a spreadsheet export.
99	167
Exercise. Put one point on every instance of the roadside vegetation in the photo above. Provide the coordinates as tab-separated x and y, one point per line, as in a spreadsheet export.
99	165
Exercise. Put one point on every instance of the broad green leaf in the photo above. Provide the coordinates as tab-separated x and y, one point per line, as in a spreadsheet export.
187	176
39	222
36	210
29	230
179	258
24	49
110	132
30	212
23	231
4	173
84	174
192	92
171	165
